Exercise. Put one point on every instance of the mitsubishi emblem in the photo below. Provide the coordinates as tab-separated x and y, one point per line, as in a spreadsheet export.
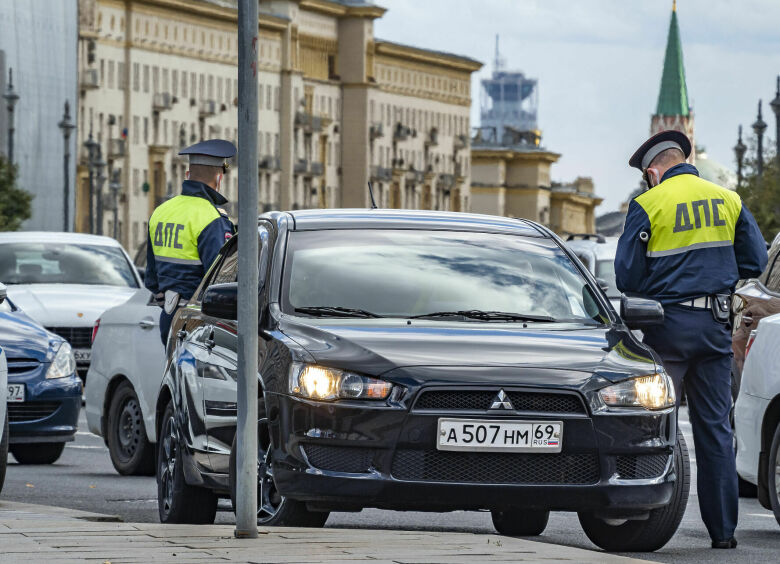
502	401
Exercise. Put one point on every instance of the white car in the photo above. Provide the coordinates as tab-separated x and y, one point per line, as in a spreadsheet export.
128	361
3	406
65	281
597	253
757	414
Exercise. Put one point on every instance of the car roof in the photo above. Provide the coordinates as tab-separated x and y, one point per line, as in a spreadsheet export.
57	237
309	220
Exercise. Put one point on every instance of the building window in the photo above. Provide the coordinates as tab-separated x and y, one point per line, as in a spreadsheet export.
175	82
268	97
136	77
136	129
276	98
136	186
155	79
146	78
146	131
166	85
110	74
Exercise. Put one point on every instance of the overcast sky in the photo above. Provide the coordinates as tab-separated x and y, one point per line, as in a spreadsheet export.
599	67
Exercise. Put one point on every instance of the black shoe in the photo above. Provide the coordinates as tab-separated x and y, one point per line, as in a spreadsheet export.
729	543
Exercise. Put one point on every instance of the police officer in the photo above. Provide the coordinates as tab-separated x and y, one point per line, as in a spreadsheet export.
686	243
187	232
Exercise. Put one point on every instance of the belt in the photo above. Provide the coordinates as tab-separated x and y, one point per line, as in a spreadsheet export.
703	302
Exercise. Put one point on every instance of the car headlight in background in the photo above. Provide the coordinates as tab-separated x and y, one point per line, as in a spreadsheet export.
653	391
64	363
322	383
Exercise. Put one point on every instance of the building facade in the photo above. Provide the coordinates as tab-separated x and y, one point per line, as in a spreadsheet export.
338	108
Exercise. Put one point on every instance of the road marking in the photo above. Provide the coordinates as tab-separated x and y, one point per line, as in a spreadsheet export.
770	515
84	446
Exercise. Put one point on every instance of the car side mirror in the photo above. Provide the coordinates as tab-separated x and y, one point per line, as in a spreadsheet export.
221	301
638	313
3	293
602	284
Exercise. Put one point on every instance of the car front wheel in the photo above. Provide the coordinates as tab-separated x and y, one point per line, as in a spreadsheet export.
773	475
654	532
37	453
273	509
131	452
177	501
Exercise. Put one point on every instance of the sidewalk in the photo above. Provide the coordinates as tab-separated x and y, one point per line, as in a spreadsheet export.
38	533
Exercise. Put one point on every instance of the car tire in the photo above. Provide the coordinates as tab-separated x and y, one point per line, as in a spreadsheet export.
177	501
520	522
773	475
37	453
4	452
654	532
273	509
130	450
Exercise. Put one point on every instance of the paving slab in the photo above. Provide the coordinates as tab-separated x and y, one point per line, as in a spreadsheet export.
37	533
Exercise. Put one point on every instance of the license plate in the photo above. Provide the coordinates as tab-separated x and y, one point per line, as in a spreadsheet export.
82	355
15	392
484	435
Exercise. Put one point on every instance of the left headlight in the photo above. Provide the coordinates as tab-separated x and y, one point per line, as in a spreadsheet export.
323	383
64	363
653	391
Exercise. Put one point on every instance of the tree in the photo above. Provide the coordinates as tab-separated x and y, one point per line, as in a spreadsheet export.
15	203
761	194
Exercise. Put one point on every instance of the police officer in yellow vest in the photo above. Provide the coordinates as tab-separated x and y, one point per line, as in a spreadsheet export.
686	243
187	232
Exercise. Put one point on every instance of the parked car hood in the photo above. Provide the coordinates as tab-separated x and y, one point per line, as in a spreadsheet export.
378	346
67	305
22	338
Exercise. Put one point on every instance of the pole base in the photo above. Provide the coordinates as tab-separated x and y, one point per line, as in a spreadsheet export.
245	533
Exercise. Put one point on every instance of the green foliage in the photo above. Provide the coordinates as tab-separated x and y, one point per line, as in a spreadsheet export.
15	203
761	195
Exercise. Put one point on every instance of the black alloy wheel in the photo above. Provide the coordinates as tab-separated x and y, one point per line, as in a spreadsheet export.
773	474
654	532
178	502
520	522
37	453
273	509
130	450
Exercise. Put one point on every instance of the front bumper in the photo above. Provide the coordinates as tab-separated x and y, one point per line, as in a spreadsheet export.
349	455
50	411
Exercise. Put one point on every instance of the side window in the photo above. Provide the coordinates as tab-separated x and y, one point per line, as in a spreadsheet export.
220	263
585	258
228	270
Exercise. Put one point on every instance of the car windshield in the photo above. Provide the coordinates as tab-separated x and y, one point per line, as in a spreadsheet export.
605	269
64	263
402	273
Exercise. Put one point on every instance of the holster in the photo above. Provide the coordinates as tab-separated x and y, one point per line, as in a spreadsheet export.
720	304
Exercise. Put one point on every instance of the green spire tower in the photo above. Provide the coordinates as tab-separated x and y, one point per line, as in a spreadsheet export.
673	110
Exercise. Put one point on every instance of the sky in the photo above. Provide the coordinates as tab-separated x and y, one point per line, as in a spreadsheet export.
599	66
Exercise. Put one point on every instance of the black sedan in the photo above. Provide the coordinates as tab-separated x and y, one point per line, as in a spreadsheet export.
428	361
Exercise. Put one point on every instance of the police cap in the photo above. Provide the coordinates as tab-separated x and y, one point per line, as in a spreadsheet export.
658	143
212	152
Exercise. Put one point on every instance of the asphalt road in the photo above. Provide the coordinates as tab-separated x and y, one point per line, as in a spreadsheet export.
84	479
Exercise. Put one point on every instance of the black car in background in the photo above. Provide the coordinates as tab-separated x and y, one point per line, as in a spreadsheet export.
429	361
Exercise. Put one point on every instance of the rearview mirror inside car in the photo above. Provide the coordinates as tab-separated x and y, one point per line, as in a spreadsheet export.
221	301
638	313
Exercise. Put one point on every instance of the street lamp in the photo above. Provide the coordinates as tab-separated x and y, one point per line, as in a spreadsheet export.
67	127
739	150
759	126
100	179
92	149
776	108
11	98
114	186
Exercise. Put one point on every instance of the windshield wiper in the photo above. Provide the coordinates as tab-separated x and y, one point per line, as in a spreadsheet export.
485	315
335	311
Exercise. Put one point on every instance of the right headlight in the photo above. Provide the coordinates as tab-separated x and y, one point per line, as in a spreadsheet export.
653	391
64	363
322	383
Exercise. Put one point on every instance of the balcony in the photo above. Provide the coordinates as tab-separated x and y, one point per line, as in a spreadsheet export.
376	131
415	176
461	142
306	167
446	181
311	123
316	169
432	139
268	163
381	174
207	108
116	148
90	79
301	166
401	132
162	101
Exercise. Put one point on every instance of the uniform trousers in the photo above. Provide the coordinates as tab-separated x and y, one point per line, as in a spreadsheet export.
696	352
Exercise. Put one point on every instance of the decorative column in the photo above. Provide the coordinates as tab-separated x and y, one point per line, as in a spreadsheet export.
11	98
759	126
739	150
775	104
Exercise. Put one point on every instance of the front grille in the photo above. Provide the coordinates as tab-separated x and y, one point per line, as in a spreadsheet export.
22	365
31	411
340	459
643	466
495	468
481	400
78	337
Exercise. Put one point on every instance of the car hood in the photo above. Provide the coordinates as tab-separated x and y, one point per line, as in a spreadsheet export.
23	338
67	305
379	346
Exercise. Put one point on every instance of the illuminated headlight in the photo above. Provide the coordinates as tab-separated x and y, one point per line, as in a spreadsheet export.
322	383
64	363
654	391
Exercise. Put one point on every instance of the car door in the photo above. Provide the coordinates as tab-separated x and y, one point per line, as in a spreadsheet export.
220	378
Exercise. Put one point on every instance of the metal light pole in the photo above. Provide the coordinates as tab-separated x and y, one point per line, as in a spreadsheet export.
775	104
759	126
739	150
114	186
67	127
246	441
100	179
92	148
11	98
